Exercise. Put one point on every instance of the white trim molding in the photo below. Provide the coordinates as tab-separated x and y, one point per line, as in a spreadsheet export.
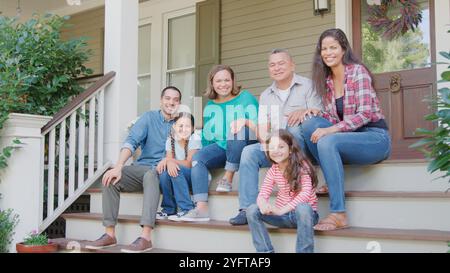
343	13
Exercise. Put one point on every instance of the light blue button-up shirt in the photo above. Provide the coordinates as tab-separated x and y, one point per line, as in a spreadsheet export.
150	132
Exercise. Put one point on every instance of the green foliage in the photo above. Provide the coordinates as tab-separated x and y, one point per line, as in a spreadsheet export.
8	221
6	152
36	239
38	70
405	52
436	143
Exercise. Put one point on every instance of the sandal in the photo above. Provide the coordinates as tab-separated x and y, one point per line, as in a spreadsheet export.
331	222
322	190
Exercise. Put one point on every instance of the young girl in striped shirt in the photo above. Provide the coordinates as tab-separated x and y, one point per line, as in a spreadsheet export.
296	202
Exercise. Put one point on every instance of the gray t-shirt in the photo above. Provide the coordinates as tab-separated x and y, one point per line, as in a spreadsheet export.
195	143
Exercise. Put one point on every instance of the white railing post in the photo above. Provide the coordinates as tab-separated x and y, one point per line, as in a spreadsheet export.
81	144
72	149
91	141
100	114
22	180
51	172
62	162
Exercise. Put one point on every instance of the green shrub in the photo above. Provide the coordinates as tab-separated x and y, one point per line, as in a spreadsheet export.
436	143
38	70
8	221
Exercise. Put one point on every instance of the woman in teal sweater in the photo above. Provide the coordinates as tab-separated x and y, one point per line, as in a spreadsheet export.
227	117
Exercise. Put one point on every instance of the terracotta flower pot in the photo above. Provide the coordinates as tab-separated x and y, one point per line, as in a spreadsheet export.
49	248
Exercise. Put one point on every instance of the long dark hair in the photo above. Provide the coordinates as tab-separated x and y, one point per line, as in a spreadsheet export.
172	133
321	71
298	163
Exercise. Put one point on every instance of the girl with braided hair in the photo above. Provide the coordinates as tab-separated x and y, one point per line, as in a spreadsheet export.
175	170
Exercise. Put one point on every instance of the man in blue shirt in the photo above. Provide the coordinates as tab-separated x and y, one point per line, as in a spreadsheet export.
150	133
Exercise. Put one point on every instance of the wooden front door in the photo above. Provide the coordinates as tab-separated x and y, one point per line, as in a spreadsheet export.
403	73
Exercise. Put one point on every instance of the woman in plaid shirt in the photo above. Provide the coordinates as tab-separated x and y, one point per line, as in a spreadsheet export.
352	129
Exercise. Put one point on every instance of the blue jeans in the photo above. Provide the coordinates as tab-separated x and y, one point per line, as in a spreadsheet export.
214	157
304	218
252	159
175	191
367	145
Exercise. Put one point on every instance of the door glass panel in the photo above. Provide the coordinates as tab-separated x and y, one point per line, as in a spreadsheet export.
406	52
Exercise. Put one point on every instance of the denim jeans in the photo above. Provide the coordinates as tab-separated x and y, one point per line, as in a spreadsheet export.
252	159
367	145
214	157
304	218
175	191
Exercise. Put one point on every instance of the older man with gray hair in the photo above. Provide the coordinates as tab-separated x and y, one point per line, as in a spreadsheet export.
281	106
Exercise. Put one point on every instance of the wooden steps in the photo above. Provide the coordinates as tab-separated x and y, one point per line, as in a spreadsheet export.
389	194
355	232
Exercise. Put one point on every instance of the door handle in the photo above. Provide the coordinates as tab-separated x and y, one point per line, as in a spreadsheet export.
395	83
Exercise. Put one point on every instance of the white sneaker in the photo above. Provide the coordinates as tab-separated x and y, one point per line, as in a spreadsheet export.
178	216
223	186
195	215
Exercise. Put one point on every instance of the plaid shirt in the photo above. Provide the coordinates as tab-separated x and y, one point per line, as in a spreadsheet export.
361	104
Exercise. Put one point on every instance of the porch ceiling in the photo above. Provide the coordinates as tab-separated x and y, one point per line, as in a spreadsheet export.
28	7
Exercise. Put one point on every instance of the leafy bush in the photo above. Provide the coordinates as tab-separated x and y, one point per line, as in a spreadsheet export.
38	70
8	221
436	143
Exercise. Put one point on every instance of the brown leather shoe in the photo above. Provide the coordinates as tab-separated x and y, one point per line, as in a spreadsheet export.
138	246
104	241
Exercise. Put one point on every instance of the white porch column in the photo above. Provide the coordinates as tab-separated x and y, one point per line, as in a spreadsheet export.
343	13
121	50
21	181
442	23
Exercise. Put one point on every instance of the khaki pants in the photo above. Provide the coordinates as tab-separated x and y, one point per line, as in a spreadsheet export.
134	178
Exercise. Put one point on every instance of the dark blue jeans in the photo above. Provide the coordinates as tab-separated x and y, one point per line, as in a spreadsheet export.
175	191
367	145
304	218
214	157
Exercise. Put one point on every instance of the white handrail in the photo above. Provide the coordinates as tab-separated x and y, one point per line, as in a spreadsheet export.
73	151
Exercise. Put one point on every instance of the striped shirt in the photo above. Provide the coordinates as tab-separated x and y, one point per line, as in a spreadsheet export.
361	104
285	197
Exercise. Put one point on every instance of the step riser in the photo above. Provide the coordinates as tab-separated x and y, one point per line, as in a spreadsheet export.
380	177
382	212
193	239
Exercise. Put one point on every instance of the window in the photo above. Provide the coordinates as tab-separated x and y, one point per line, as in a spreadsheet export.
180	68
144	64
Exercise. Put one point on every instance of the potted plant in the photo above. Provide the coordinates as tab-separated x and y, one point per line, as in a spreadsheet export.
36	243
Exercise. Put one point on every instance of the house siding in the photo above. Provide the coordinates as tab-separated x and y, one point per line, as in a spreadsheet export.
251	28
89	24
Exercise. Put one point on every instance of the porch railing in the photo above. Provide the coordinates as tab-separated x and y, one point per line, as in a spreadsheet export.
73	151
